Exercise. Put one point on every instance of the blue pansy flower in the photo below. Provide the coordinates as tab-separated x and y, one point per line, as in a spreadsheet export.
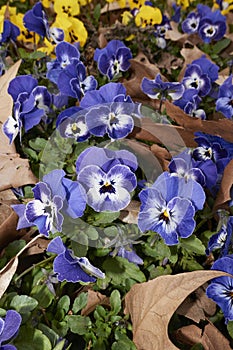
31	104
160	32
168	207
225	97
212	24
191	23
113	59
114	118
55	196
157	89
70	268
221	239
10	32
74	82
221	288
71	124
35	20
194	78
9	327
207	67
108	187
66	53
189	102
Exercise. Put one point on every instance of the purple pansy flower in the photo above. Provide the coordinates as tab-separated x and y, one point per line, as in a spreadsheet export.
212	24
168	207
113	59
66	53
221	288
35	20
225	97
108	186
10	32
70	268
9	327
71	124
31	104
156	88
207	67
189	102
194	78
54	197
114	118
191	23
74	82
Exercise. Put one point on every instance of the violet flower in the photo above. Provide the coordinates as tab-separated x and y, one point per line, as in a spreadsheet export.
9	326
113	59
194	78
225	97
108	187
189	102
191	23
31	104
54	197
74	82
70	268
168	207
221	288
10	32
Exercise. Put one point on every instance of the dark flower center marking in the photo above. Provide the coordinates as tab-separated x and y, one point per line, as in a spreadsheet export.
107	187
210	31
194	84
164	216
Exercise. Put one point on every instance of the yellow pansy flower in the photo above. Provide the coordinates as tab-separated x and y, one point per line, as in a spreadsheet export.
134	4
148	15
46	3
68	7
73	28
48	48
184	3
126	17
1	23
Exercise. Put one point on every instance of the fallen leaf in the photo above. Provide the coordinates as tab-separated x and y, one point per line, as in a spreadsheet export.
94	299
152	304
113	6
197	306
6	106
224	195
175	35
129	214
222	76
170	62
8	271
210	337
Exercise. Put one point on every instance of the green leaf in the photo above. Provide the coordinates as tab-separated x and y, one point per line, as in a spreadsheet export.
92	233
23	303
80	249
97	12
100	312
118	270
105	217
115	301
79	324
63	306
38	144
80	302
197	346
192	245
43	295
230	328
159	251
30	338
221	45
50	334
60	345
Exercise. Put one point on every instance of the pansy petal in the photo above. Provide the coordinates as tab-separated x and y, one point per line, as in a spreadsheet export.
12	324
56	246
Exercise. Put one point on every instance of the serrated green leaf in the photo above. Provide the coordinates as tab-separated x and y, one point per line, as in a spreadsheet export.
192	245
118	270
80	302
23	303
79	324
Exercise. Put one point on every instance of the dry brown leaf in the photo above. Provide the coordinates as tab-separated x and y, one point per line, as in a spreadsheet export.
113	6
9	270
152	304
210	338
224	192
130	213
170	62
174	34
222	76
197	306
94	299
6	104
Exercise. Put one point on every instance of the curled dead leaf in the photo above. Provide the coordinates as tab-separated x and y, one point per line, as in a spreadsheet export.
130	213
210	337
94	299
152	304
